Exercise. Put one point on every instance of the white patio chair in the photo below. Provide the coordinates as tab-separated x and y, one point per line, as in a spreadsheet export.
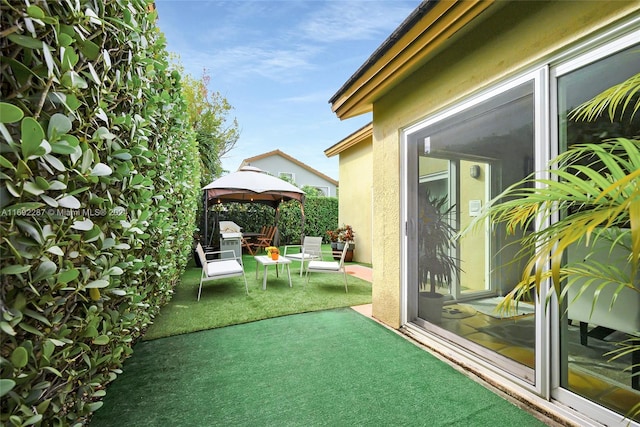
320	266
220	268
310	249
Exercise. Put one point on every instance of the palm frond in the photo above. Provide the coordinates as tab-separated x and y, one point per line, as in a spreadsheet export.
610	100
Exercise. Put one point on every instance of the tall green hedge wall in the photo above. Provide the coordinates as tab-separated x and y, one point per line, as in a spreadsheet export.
321	214
98	198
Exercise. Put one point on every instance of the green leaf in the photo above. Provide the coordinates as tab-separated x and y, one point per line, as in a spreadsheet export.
97	284
19	357
72	102
94	406
9	113
22	73
122	155
7	328
31	187
6	163
69	59
43	406
31	228
89	49
33	420
45	270
82	225
93	234
55	250
62	147
64	39
35	12
90	332
32	136
68	275
53	161
101	340
54	371
103	133
69	202
35	315
59	124
30	329
15	269
25	41
73	80
6	386
49	200
87	159
100	169
42	183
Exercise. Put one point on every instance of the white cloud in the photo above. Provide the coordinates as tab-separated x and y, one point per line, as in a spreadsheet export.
309	98
246	61
354	20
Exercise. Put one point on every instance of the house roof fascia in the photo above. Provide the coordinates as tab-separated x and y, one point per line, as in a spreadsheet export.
430	25
354	139
248	161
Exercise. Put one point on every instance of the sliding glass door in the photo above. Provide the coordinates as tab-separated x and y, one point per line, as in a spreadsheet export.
590	332
458	162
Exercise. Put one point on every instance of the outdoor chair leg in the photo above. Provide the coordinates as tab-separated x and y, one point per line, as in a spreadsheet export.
345	282
200	288
246	287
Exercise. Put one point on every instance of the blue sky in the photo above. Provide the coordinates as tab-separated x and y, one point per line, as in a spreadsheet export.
278	63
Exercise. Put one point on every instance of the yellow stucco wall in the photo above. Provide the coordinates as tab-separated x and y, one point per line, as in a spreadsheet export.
473	275
514	37
356	182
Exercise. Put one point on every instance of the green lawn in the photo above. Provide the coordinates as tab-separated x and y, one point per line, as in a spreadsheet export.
224	302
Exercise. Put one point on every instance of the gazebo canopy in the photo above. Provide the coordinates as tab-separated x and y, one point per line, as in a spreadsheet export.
250	184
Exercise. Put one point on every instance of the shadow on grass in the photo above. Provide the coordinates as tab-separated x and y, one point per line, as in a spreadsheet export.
224	302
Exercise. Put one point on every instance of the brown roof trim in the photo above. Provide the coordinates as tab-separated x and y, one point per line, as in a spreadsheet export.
248	161
409	22
355	138
426	29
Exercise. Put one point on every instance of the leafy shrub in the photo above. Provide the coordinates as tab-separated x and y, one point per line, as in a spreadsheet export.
321	214
99	189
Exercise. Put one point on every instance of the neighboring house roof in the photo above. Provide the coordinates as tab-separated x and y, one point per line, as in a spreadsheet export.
426	30
247	162
355	138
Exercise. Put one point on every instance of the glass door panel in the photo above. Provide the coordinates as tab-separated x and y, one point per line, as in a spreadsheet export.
461	162
588	331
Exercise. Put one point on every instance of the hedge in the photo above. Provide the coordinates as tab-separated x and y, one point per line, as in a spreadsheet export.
99	190
321	214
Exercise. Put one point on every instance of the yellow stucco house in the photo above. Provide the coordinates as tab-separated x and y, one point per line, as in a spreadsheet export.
356	189
469	97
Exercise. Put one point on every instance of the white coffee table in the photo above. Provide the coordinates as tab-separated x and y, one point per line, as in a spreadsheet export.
266	262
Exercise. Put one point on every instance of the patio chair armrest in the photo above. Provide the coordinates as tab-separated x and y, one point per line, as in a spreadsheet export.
291	246
239	258
329	254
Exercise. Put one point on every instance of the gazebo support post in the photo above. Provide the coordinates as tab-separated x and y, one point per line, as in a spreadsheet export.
206	218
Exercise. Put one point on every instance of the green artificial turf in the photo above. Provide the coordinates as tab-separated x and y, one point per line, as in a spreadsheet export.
325	368
224	302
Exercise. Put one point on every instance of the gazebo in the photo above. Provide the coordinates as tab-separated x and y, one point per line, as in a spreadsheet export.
251	185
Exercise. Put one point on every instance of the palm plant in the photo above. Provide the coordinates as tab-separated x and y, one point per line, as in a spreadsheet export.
592	194
435	239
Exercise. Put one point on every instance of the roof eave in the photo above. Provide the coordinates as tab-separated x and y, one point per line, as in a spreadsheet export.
284	155
354	139
410	46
